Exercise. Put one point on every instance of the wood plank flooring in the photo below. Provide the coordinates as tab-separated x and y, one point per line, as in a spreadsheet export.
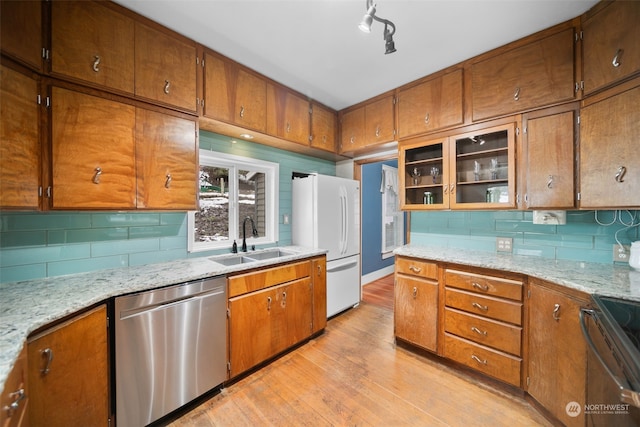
355	375
379	292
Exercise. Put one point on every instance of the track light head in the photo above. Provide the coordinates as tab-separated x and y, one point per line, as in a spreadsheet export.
367	21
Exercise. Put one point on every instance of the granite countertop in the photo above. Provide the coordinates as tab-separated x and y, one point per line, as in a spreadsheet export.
619	281
28	305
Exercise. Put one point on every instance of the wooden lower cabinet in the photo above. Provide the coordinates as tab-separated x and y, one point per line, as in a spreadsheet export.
557	362
14	399
69	372
273	309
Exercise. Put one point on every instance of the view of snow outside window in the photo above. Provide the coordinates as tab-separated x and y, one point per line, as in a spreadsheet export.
212	221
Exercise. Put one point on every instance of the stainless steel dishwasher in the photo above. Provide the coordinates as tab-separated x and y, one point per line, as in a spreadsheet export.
170	348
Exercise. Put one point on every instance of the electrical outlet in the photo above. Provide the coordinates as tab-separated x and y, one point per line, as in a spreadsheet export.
504	244
621	254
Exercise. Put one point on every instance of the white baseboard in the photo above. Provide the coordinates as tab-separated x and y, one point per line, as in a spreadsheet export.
378	274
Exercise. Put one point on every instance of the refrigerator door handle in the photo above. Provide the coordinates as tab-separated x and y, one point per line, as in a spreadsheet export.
341	267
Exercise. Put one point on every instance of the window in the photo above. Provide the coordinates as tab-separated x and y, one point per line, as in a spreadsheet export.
233	188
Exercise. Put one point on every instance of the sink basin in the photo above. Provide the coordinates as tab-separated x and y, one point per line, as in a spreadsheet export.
243	258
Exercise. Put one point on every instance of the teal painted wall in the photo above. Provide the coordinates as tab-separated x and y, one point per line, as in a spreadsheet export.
43	244
581	239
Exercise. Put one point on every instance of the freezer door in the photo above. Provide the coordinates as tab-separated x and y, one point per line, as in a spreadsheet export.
343	284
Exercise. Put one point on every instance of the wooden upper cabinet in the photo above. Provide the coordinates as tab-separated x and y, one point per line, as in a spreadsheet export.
287	115
233	94
19	140
546	160
379	121
323	127
430	105
611	44
21	31
538	74
165	68
352	130
609	160
93	152
166	163
92	42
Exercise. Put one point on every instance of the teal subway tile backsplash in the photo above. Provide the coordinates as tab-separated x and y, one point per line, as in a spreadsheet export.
59	268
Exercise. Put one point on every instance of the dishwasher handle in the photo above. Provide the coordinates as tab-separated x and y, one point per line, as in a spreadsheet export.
627	395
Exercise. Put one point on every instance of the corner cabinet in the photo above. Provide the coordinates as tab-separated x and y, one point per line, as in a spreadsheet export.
609	159
557	352
68	368
473	170
416	302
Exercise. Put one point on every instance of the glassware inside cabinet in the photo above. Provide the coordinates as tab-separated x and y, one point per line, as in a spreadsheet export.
482	168
423	174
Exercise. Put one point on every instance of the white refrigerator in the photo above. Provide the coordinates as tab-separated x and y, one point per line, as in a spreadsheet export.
326	215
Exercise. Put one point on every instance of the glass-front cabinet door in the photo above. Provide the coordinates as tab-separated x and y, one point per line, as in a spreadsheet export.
424	175
484	168
473	170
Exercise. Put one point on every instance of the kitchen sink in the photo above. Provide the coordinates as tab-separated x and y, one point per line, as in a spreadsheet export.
247	257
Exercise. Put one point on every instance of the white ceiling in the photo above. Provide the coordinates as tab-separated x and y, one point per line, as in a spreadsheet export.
316	48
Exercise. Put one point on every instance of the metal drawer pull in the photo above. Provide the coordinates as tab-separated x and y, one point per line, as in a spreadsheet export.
288	127
96	63
480	286
17	396
478	331
556	312
47	353
516	95
415	269
479	306
268	303
550	181
622	170
477	359
616	59
167	183
166	86
96	176
242	111
426	119
284	298
415	292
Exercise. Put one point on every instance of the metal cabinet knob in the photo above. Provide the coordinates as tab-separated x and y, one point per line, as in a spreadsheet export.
47	354
616	59
167	84
556	312
622	170
167	183
96	176
96	63
516	95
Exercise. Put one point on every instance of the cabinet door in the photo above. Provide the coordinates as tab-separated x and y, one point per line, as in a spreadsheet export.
482	168
431	105
287	115
379	121
319	279
102	51
609	160
538	74
21	31
166	161
352	130
69	373
424	170
323	128
165	68
547	161
93	152
611	44
14	399
19	141
416	311
557	353
297	303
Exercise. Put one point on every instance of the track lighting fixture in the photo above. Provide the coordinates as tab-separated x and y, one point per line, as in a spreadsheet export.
389	27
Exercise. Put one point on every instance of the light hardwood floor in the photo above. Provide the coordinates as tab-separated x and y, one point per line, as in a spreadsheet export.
355	375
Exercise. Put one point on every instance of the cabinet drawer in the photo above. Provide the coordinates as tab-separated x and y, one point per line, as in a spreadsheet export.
491	362
249	282
489	332
488	285
494	308
15	392
418	268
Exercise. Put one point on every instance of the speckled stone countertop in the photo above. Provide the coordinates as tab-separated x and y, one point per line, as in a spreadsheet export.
28	305
619	281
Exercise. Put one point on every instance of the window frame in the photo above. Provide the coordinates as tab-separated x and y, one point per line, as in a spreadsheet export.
235	163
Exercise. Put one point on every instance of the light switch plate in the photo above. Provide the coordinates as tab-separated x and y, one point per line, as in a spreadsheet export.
504	244
621	254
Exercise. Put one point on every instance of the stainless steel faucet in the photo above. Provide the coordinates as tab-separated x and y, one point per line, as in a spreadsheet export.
254	231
